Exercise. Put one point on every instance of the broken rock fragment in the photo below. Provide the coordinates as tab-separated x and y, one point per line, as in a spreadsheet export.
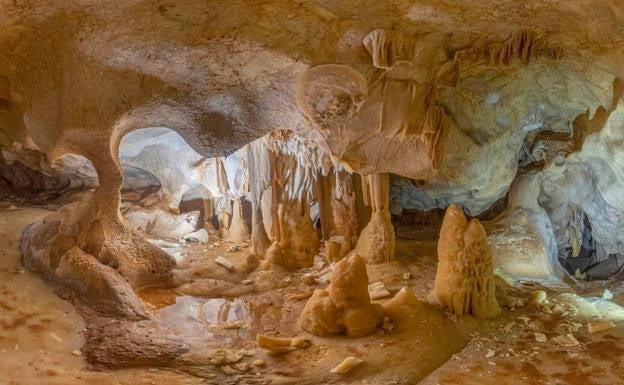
277	345
597	327
346	365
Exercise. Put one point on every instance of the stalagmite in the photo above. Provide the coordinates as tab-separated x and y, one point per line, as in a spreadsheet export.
238	230
464	281
345	306
377	241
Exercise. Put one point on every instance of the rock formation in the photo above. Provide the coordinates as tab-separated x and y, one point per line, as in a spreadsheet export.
464	281
377	241
141	122
338	213
286	205
345	306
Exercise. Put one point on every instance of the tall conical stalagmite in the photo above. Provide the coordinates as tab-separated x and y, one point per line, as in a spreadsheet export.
464	280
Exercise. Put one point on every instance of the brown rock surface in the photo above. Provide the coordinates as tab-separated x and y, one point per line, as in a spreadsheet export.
345	307
464	281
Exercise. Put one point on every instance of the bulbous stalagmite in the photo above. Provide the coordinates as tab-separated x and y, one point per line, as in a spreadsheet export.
377	241
345	306
464	280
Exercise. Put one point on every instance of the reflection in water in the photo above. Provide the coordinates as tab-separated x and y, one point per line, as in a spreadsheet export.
200	318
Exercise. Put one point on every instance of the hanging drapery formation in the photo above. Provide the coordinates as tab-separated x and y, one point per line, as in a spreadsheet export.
258	165
293	167
222	180
224	206
377	241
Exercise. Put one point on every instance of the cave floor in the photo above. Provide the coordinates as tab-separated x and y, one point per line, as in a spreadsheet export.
39	331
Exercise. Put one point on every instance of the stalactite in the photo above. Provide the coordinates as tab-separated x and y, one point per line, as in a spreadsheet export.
285	175
377	241
222	181
387	47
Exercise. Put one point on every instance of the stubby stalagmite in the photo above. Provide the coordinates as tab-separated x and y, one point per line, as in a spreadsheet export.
345	306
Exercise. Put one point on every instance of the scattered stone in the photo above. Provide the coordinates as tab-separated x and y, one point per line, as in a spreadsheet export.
574	327
540	337
232	248
319	262
387	325
279	345
507	328
407	276
163	244
301	296
309	279
227	369
200	236
226	357
490	353
596	327
258	363
77	353
566	341
346	365
378	290
248	352
224	262
234	325
539	296
324	275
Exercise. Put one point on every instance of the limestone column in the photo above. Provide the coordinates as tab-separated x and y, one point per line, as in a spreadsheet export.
377	241
338	213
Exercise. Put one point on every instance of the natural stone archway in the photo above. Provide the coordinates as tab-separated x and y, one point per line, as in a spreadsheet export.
87	248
